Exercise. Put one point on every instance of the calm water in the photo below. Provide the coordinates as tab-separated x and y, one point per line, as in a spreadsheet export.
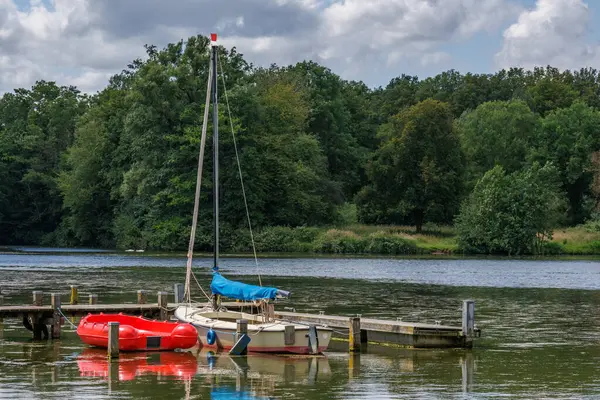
540	322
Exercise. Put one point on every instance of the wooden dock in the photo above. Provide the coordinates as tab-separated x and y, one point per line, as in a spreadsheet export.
380	331
356	330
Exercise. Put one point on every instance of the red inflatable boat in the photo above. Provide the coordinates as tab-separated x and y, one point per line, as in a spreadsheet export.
137	333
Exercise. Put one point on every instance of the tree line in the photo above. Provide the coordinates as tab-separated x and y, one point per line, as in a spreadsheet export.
506	157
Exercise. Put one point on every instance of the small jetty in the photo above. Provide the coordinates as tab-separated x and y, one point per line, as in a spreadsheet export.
45	320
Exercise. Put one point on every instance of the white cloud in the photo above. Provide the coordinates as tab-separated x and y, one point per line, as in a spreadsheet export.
83	42
553	33
435	58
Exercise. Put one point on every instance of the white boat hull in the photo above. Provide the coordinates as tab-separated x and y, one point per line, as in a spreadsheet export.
265	337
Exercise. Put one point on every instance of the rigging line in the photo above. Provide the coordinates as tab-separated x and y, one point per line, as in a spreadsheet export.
200	286
237	157
187	289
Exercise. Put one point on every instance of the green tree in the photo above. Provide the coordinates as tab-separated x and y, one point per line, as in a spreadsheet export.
511	213
36	127
568	138
284	167
416	174
91	172
400	93
549	94
330	121
497	133
158	144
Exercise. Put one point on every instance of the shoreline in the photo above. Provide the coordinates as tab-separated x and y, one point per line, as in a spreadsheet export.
70	251
351	241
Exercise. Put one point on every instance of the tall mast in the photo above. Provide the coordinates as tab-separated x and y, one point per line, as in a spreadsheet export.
213	42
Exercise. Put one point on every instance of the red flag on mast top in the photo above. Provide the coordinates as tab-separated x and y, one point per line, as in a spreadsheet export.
213	39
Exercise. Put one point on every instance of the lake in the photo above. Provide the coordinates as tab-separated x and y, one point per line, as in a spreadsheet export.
540	322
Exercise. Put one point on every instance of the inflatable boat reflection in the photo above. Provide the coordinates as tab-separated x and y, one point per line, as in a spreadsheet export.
94	363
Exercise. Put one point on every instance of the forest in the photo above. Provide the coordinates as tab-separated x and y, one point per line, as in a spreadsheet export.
482	163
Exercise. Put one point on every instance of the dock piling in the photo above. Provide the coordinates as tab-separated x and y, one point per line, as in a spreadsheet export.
113	340
74	295
55	301
178	291
142	297
163	302
38	297
354	334
93	299
468	321
35	318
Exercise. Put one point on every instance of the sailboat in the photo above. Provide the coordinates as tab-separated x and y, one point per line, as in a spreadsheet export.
215	324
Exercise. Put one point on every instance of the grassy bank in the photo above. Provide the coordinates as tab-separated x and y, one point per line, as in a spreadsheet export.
370	240
354	239
391	240
577	241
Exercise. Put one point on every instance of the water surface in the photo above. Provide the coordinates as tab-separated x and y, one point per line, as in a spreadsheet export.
540	322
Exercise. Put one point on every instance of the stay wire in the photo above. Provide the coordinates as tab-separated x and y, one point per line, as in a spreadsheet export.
237	157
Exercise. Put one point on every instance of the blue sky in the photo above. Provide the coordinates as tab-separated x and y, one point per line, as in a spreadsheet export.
84	42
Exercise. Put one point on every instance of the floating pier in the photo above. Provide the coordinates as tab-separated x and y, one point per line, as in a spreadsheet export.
356	330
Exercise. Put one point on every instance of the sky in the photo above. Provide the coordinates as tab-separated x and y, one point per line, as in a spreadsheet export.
84	42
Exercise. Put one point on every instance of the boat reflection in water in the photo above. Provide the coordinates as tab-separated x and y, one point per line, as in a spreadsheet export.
94	363
255	376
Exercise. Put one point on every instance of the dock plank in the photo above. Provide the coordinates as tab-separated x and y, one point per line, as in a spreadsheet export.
109	308
24	309
336	321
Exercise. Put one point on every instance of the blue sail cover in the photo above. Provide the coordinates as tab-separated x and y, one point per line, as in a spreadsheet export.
239	290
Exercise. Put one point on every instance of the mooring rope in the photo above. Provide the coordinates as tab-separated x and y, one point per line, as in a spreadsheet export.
66	318
237	157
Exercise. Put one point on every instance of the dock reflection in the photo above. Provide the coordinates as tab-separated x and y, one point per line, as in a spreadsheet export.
259	374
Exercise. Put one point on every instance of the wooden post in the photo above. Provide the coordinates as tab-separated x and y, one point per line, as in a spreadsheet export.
354	334
1	317
241	329
468	321
56	316
113	340
38	328
74	294
38	297
163	303
289	338
270	308
93	299
142	297
178	290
